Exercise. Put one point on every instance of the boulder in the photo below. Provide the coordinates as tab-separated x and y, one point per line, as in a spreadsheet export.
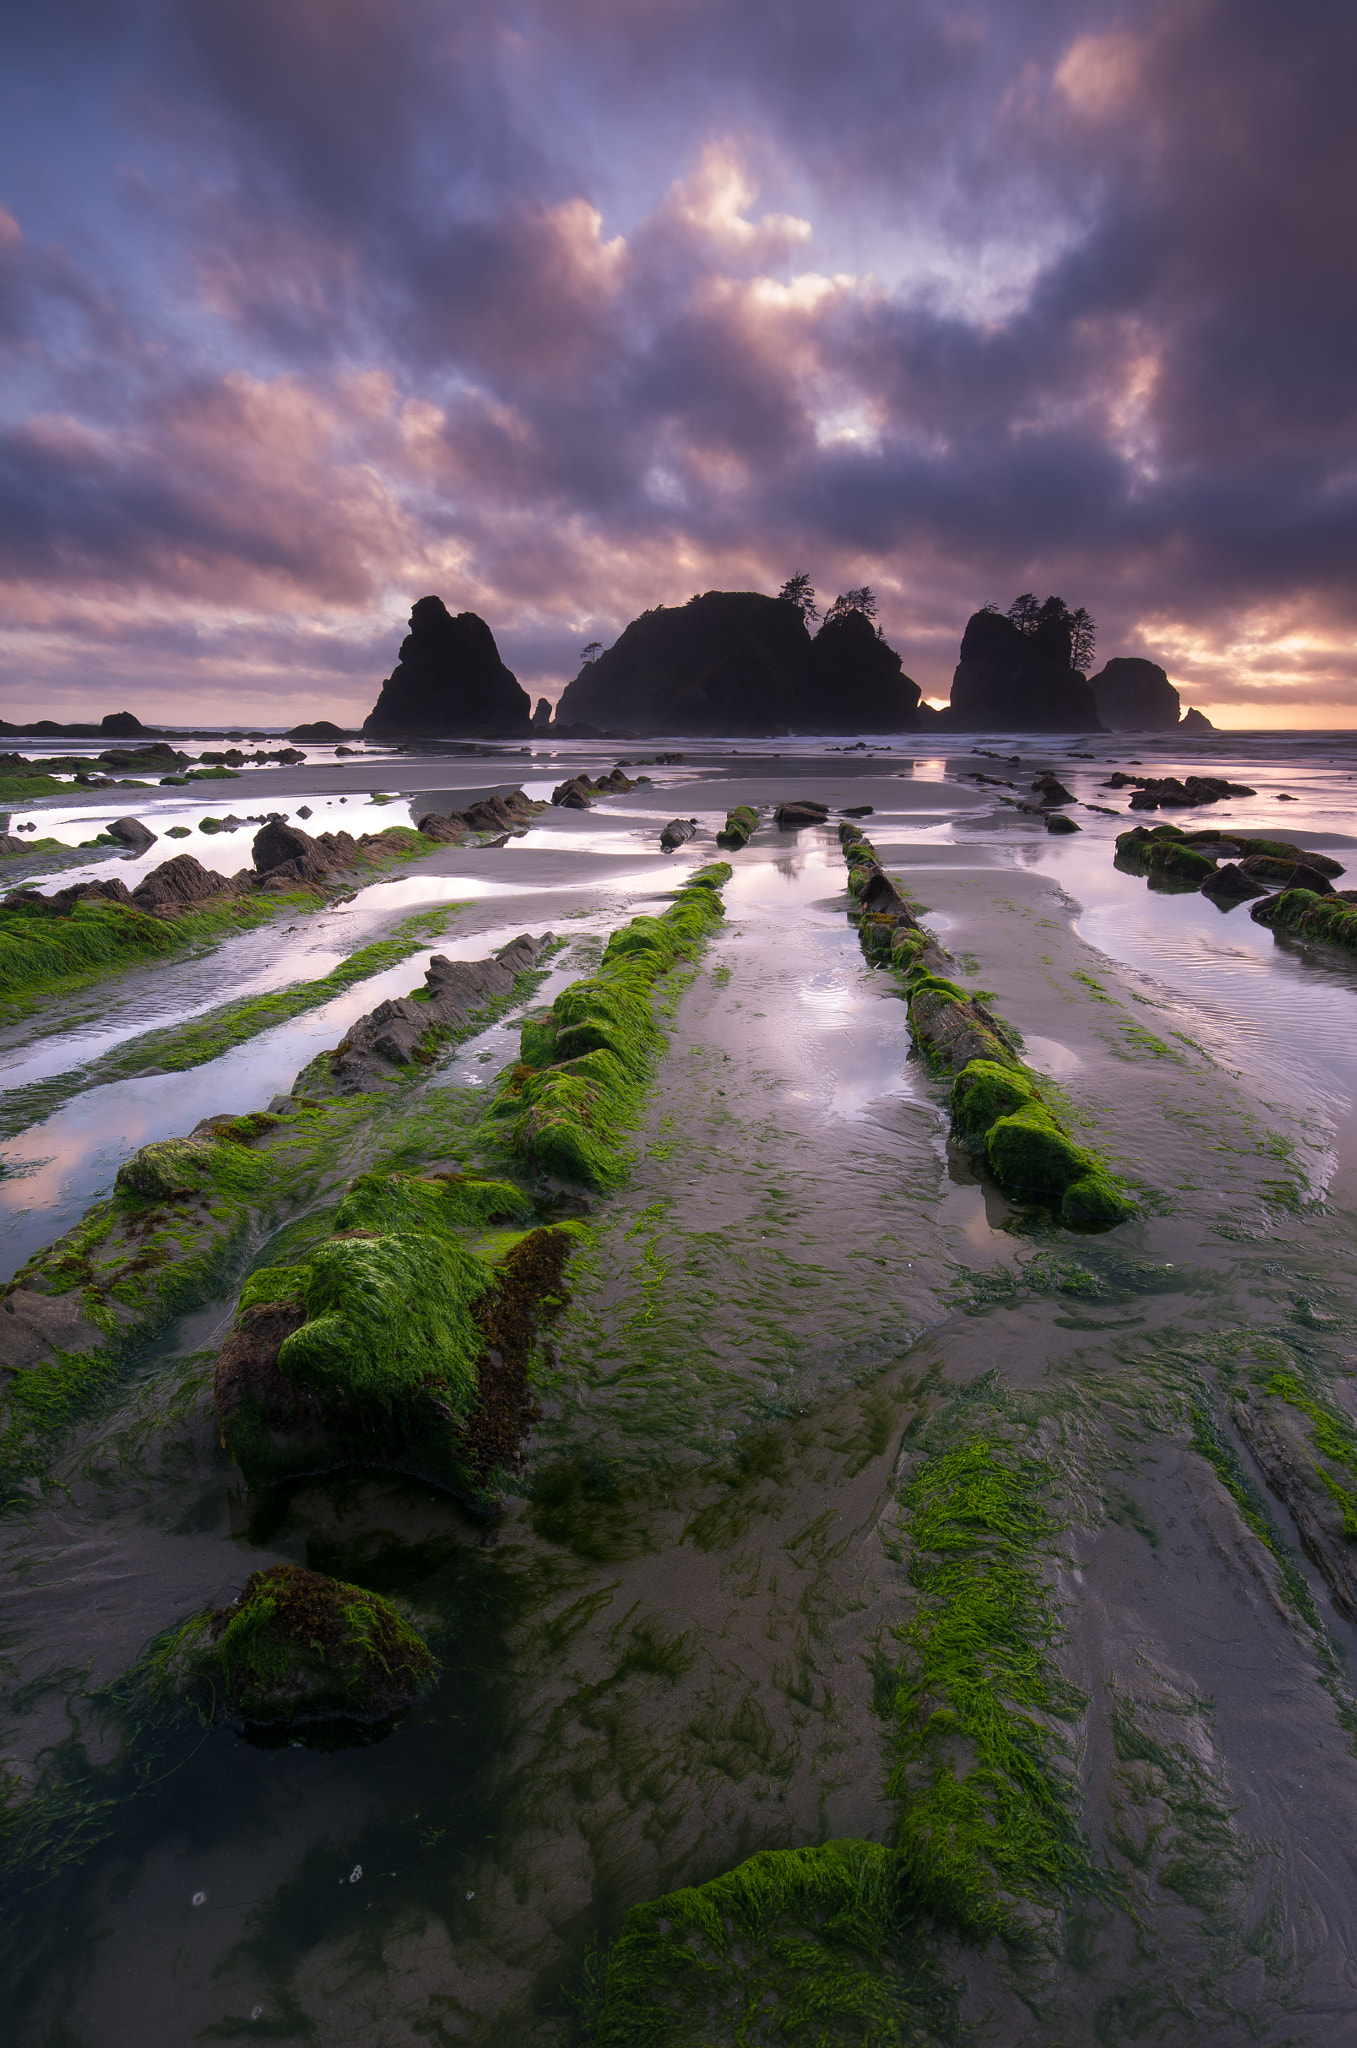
285	850
1007	681
131	832
790	817
573	794
293	1647
676	832
734	663
1229	884
449	828
1166	791
450	682
319	729
1271	873
1134	695
1052	790
120	725
180	881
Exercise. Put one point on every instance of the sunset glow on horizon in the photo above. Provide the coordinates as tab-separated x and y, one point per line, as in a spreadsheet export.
563	313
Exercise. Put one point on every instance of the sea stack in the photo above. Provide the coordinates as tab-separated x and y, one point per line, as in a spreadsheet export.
1009	681
449	683
734	664
1134	695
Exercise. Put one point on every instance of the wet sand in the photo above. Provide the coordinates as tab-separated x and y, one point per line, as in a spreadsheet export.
666	1654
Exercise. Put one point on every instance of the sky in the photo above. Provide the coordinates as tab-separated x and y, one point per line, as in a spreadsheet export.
562	309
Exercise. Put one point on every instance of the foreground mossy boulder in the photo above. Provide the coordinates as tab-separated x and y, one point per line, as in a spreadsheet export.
795	1946
583	1064
393	1344
997	1109
294	1646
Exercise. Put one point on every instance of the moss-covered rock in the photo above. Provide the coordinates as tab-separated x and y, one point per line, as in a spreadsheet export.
803	1947
295	1646
952	1028
983	1092
1093	1202
1031	1155
165	1171
1308	916
1170	860
740	825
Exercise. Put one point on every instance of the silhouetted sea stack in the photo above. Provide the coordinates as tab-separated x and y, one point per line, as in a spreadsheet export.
1009	681
450	683
1134	695
736	664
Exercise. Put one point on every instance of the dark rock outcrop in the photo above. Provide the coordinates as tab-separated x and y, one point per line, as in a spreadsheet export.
319	729
1007	681
734	663
790	817
541	717
393	1035
131	832
1195	721
1229	885
178	882
1167	792
1134	695
677	833
450	682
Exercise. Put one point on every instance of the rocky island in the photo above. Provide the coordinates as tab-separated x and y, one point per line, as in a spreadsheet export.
449	683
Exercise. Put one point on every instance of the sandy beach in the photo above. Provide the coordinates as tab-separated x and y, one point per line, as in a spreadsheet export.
684	1635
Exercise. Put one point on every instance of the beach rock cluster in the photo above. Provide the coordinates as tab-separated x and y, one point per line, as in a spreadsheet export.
577	792
735	663
403	1029
488	814
449	683
1166	792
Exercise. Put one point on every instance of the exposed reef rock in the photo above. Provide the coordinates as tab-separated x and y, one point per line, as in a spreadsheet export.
734	663
1008	681
739	828
1134	695
399	1031
677	833
791	816
578	791
295	1646
450	682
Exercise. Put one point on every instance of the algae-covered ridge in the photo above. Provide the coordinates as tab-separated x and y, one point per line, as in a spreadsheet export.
179	1225
998	1108
579	1085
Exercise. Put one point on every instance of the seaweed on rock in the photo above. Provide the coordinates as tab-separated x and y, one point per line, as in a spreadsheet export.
739	828
997	1106
1309	916
393	1344
583	1066
293	1646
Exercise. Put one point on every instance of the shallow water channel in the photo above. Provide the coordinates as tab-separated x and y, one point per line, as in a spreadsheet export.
668	1652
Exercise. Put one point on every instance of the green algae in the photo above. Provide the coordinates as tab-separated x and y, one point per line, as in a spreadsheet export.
293	1646
1308	916
806	1946
579	1086
982	1778
739	828
999	1110
1332	1436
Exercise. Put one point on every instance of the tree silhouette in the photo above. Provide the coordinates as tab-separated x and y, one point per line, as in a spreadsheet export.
1083	639
797	590
592	651
863	601
1029	617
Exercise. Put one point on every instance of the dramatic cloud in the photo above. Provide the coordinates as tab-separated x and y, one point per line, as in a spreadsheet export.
314	305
